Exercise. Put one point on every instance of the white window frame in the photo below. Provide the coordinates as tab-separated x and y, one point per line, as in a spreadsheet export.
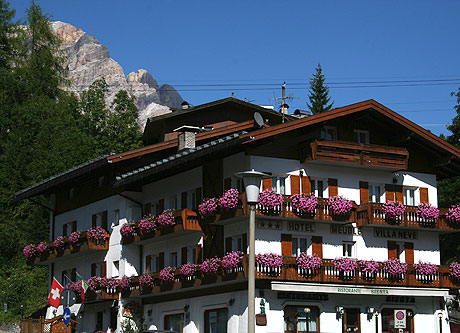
325	130
407	189
325	191
373	198
277	180
365	132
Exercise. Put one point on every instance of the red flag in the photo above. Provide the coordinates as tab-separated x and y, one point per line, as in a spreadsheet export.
54	298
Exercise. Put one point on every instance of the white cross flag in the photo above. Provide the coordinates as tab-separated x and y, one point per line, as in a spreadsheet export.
54	298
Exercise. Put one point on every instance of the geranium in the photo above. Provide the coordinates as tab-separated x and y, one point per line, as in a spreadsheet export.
394	267
208	207
128	230
109	283
425	268
339	205
97	233
454	270
166	218
30	251
345	264
229	199
167	274
210	265
147	224
232	259
271	260
188	269
94	283
146	280
268	199
453	214
74	237
42	248
75	287
369	266
305	261
59	242
126	282
304	203
393	210
427	211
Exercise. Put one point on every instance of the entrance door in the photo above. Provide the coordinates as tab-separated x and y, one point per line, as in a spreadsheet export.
351	320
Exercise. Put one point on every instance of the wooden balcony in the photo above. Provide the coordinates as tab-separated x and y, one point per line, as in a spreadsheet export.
85	245
371	214
359	154
99	295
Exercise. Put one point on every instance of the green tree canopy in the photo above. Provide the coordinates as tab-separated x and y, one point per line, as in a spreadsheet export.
319	93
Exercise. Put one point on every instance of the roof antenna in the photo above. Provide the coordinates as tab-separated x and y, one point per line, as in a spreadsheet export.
233	94
282	100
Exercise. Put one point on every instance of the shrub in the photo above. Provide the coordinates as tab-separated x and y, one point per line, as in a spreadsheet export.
232	259
453	215
345	264
188	269
74	237
305	261
427	211
425	268
393	210
167	274
339	205
304	203
369	266
166	218
97	233
229	199
210	266
271	260
268	199
394	267
208	207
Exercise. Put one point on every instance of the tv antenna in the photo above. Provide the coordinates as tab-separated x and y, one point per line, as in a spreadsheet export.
282	100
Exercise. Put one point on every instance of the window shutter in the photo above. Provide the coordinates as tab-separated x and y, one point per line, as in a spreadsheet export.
183	256
392	250
317	245
363	192
198	196
227	183
104	220
74	226
161	205
183	200
161	260
104	269
409	252
424	194
306	185
295	184
148	263
245	243
228	244
94	220
389	192
147	208
286	245
93	269
399	195
199	251
267	184
333	187
64	230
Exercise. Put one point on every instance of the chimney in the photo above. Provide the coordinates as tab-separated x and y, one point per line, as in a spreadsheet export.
185	105
284	108
186	137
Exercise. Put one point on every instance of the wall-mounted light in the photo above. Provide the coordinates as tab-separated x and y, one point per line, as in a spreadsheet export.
149	312
395	177
340	310
231	301
410	313
186	307
307	310
370	310
440	315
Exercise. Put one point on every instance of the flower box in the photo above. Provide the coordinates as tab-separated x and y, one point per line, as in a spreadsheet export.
394	211
339	208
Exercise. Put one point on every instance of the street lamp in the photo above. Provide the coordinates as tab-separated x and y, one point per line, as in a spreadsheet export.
252	180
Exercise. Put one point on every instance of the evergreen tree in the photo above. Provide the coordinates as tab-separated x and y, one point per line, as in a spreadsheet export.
319	93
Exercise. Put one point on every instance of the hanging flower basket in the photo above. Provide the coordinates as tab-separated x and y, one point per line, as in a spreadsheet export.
74	240
454	271
43	250
393	210
427	212
369	269
110	284
232	260
147	226
59	246
304	204
128	232
210	266
94	283
425	268
308	265
346	265
97	235
229	200
339	207
166	218
453	215
30	252
146	283
188	270
167	274
269	263
208	207
270	202
395	268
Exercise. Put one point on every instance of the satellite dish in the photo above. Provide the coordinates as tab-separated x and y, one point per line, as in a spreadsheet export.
258	119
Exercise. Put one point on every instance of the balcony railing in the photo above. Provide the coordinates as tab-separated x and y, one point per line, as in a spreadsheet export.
372	214
361	154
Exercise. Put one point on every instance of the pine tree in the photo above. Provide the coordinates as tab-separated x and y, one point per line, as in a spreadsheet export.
319	93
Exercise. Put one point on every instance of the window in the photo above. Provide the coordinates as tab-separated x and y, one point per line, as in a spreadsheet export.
329	133
348	249
361	136
351	320
388	316
115	268
116	217
174	322
301	319
317	187
173	259
375	193
299	245
192	196
173	202
279	184
215	321
409	196
194	255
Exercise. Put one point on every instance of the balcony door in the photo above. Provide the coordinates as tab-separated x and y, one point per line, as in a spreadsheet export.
351	321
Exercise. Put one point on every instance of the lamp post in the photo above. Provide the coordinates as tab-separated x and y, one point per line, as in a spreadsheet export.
252	180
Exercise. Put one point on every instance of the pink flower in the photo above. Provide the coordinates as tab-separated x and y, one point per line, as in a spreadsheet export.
454	270
128	230
345	264
147	224
304	203
75	287
208	207
59	242
166	218
42	248
210	266
427	211
229	199
425	268
305	261
271	260
268	199
126	282
393	210
339	205
454	214
369	266
109	283
146	280
232	259
395	267
97	233
74	237
94	283
30	251
167	274
188	269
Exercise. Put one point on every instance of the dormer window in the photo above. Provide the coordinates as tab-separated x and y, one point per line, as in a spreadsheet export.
361	136
329	133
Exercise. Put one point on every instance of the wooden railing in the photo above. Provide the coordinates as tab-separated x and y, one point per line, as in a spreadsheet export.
372	214
357	153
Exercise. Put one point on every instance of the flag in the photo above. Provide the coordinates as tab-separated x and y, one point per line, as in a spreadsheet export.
54	298
84	287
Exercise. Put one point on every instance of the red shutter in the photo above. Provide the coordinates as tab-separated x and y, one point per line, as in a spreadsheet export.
228	244
424	194
183	256
183	200
94	220
363	192
286	245
333	187
399	195
409	252
295	184
148	263
389	192
317	245
267	184
105	220
306	185
104	269
392	250
147	208
245	243
161	260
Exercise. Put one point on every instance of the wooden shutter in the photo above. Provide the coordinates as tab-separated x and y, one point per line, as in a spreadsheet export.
295	184
161	205
399	195
424	194
333	187
199	251
104	269
389	192
306	185
93	269
409	252
392	250
104	220
228	244
245	243
267	184
183	256
227	183
161	260
148	263
147	208
183	200
73	275
317	245
286	245
74	226
363	192
64	230
94	220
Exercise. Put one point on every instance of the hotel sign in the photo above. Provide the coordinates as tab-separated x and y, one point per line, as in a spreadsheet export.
396	234
345	230
301	226
345	290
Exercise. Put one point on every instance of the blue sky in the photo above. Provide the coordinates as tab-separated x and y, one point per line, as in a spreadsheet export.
251	47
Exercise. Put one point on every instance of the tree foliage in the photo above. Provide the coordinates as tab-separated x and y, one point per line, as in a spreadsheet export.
319	93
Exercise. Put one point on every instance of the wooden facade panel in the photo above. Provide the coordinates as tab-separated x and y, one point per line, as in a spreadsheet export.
267	184
183	257
306	185
317	245
409	252
295	184
363	192
333	187
424	194
389	192
392	250
399	194
148	263
286	245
